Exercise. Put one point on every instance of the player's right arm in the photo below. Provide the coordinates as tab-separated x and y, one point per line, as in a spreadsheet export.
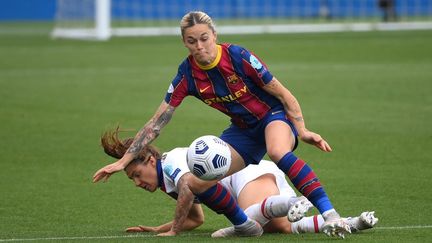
146	135
177	91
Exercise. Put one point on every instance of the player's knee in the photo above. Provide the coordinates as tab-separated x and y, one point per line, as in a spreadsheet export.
276	154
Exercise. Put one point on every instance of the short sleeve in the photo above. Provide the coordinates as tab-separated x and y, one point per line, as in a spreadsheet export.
174	166
255	68
177	90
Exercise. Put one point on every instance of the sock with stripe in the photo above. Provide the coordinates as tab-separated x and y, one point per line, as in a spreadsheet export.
305	180
271	207
220	200
311	224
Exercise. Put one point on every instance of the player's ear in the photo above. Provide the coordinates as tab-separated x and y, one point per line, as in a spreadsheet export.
152	161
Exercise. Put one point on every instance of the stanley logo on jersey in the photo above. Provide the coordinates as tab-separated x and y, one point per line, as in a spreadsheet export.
227	98
233	79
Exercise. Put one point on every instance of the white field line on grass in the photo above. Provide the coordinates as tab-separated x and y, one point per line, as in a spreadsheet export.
92	237
198	234
404	227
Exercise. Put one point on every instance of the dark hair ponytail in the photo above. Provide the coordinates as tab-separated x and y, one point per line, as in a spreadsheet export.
116	148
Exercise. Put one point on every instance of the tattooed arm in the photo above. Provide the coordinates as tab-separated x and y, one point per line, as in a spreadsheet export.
146	135
184	203
151	129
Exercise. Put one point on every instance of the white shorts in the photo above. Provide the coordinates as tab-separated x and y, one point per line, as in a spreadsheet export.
236	182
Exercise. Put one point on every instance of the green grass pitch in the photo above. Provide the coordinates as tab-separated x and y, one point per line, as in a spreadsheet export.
368	94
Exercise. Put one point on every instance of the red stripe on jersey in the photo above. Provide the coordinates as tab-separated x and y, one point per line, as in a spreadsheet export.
205	87
315	222
295	168
180	91
238	88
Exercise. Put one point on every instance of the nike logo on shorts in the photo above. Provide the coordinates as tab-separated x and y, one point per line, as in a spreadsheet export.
276	112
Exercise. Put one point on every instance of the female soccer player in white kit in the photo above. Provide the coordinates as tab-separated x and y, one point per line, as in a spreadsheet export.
269	207
265	195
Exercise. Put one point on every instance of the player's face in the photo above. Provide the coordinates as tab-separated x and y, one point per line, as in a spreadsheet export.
200	40
144	175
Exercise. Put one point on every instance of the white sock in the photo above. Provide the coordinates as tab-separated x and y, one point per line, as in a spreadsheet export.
244	224
277	206
254	212
272	207
312	224
330	214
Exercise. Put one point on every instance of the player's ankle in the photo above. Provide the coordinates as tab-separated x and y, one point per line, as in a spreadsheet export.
330	215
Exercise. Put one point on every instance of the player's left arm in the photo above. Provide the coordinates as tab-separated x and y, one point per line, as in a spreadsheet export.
184	204
194	219
294	112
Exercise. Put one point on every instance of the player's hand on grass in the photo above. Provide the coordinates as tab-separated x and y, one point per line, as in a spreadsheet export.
168	233
105	172
141	228
316	140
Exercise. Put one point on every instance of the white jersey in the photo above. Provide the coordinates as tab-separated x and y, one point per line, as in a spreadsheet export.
174	166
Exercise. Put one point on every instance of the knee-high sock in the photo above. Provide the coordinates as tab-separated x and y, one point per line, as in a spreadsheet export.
305	180
271	207
254	212
311	224
220	200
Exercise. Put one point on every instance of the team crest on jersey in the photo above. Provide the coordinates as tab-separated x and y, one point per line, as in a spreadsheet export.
233	79
255	62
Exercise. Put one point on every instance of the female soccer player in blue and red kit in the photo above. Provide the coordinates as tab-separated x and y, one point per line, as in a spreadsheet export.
265	116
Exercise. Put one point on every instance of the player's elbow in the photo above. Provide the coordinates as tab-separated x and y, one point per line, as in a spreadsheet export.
198	219
199	222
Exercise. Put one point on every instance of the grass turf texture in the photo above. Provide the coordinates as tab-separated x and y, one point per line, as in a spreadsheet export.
368	94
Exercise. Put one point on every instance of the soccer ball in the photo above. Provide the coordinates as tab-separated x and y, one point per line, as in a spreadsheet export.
209	158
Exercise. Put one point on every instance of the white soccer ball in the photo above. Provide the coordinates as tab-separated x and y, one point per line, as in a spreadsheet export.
209	157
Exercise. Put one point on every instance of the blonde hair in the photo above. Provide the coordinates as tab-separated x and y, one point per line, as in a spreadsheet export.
196	17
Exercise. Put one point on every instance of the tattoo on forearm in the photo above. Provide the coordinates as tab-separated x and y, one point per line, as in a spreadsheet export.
151	131
184	203
163	119
299	118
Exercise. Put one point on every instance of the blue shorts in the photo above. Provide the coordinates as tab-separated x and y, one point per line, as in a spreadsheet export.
250	142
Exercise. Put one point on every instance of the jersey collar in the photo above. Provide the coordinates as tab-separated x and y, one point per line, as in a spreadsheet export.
215	62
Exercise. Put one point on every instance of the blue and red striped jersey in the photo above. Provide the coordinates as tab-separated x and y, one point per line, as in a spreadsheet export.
231	84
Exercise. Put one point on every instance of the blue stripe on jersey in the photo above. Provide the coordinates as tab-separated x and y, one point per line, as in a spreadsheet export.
184	71
238	54
237	57
222	90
